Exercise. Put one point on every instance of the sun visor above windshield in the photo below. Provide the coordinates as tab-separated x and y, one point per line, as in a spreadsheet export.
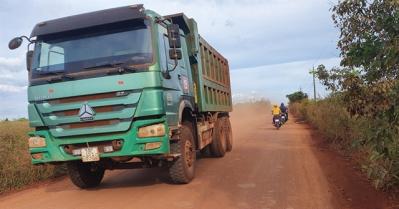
88	20
180	19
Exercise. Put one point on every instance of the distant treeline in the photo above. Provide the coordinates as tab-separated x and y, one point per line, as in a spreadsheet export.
13	119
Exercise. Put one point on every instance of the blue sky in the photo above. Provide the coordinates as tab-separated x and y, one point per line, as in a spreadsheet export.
270	44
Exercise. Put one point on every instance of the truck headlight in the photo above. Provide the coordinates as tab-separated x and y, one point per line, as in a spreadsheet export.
36	141
151	131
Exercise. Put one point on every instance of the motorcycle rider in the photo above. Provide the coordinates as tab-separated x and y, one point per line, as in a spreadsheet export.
284	110
276	112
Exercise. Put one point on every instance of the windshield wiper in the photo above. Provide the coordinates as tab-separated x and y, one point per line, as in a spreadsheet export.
112	65
120	68
61	76
124	68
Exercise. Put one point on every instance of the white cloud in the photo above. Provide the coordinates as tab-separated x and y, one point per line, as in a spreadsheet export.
6	76
261	32
276	81
11	65
12	88
14	61
13	76
249	33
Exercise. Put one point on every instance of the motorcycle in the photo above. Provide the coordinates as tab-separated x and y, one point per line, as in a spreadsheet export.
284	117
277	122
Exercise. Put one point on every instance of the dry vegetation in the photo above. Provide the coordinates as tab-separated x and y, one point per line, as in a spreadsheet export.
371	143
15	165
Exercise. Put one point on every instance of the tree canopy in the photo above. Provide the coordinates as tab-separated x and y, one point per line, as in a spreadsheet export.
297	96
369	45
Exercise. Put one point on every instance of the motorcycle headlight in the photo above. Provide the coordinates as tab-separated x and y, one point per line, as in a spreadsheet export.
151	131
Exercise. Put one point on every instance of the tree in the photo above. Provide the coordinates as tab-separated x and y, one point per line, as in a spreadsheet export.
297	96
368	79
369	44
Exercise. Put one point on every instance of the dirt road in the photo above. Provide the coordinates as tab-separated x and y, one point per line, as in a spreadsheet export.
267	169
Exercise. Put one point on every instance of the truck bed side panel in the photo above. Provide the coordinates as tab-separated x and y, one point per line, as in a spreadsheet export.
214	91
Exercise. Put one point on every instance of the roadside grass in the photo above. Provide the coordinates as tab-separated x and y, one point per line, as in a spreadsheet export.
372	144
16	169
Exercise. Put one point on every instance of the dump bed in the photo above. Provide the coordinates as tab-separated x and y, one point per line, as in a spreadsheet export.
210	70
214	80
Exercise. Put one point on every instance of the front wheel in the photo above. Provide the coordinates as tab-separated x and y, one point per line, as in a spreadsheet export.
85	175
182	170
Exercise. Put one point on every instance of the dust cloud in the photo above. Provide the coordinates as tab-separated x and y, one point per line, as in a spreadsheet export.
246	117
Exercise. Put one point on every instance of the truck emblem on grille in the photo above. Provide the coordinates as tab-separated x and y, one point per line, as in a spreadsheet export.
86	113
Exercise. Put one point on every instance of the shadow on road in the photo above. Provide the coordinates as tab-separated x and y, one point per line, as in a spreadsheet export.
123	178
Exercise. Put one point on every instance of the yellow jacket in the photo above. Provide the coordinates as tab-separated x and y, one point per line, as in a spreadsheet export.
276	111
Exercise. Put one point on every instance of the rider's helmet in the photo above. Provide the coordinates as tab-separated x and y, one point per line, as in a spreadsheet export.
282	104
275	105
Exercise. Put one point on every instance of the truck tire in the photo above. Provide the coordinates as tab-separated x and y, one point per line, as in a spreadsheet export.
182	170
229	134
85	175
218	144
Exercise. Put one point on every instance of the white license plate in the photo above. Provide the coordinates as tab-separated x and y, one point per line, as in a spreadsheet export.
90	154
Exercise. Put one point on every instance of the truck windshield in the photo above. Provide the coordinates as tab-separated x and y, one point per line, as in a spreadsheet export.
106	45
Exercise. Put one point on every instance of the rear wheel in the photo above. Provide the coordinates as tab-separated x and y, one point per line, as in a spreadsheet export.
182	170
218	144
206	151
229	134
85	175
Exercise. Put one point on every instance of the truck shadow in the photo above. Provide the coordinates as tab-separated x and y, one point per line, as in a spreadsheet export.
120	179
130	178
135	178
143	177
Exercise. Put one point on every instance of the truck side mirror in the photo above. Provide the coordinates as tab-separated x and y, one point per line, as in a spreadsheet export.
175	54
174	46
15	43
29	56
174	36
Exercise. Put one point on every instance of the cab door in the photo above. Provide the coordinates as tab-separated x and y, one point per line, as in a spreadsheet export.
178	86
181	75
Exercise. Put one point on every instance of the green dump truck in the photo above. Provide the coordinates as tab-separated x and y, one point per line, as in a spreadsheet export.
125	88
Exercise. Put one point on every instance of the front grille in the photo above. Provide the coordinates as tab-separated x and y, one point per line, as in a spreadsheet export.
90	124
83	98
113	113
96	109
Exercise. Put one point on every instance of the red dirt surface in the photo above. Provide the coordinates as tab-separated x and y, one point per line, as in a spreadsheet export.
288	168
